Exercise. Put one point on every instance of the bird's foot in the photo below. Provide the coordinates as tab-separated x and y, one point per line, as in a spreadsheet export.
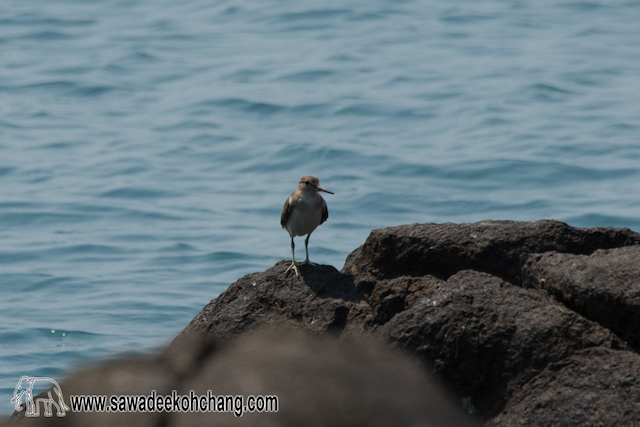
307	262
292	267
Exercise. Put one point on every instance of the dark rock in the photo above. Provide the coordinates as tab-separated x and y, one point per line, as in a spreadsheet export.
320	381
320	300
392	296
604	286
595	387
317	381
486	337
497	247
137	376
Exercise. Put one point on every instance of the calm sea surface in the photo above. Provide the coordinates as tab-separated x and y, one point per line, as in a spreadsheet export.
147	146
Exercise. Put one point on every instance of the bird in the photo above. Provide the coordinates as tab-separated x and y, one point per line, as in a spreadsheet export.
302	213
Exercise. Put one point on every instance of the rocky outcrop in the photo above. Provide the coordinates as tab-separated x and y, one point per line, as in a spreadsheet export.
486	338
322	300
467	300
603	286
594	387
525	323
500	248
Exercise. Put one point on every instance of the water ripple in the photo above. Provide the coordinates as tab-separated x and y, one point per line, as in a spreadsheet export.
136	193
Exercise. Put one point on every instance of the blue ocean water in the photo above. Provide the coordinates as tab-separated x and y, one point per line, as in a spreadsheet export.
147	146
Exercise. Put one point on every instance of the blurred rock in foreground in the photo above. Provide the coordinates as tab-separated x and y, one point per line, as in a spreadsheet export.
317	381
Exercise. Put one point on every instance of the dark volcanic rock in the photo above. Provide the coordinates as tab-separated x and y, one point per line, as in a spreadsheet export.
321	300
483	336
604	286
392	296
487	337
497	247
595	387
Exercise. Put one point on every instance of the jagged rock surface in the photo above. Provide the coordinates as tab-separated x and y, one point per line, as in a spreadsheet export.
603	286
595	387
487	337
497	247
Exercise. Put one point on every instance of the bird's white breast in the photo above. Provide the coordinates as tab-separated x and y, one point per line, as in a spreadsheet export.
305	216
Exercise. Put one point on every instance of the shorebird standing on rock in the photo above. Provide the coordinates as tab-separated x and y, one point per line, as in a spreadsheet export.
303	211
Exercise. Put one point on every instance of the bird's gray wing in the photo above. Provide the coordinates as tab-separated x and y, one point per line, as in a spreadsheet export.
286	212
325	212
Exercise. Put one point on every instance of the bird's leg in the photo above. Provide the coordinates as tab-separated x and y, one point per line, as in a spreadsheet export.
306	249
293	259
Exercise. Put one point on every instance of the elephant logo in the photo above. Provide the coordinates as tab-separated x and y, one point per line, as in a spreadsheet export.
25	387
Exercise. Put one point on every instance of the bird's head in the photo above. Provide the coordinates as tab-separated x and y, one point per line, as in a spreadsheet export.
311	184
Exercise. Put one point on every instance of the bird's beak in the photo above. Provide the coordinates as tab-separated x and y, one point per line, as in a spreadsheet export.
324	189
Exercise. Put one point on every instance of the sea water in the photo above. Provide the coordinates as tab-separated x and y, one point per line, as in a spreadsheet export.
147	146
